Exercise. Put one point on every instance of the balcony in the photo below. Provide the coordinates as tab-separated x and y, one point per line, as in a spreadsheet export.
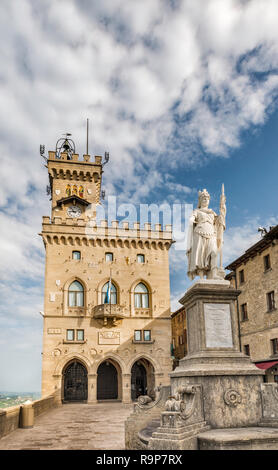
109	312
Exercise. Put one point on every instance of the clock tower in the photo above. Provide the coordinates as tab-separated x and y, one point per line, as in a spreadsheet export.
107	323
74	184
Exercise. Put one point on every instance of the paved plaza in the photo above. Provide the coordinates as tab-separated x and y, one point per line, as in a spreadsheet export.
73	427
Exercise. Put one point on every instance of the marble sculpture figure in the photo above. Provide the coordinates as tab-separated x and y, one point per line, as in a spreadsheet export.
205	239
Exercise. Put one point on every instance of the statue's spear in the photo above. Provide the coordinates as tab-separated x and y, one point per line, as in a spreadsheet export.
221	224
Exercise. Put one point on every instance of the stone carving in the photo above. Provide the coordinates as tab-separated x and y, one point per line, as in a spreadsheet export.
93	352
173	403
144	399
185	404
205	239
56	352
162	392
54	331
109	337
232	398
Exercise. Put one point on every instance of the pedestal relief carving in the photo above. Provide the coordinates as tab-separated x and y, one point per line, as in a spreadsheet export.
232	398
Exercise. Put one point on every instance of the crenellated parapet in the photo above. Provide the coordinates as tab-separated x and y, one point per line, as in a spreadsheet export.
79	232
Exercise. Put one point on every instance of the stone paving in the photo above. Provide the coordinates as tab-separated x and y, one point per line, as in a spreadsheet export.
73	427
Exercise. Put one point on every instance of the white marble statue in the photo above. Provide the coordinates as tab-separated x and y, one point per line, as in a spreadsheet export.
205	239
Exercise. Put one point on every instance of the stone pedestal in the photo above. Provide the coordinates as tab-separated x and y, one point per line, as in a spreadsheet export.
218	399
230	381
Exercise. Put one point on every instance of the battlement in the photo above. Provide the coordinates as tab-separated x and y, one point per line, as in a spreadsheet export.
80	231
52	156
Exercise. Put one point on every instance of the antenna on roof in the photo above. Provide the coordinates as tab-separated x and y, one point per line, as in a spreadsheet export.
87	146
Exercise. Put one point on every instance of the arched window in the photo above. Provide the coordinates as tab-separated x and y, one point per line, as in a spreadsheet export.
76	255
141	296
76	294
109	297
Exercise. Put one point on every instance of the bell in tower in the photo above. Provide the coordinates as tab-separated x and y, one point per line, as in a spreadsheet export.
65	145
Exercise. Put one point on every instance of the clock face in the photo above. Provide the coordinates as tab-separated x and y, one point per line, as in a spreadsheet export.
74	211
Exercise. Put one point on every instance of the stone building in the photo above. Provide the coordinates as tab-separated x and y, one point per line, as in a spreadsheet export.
255	273
179	336
107	324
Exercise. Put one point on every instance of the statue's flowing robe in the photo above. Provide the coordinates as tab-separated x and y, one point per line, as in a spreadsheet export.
202	242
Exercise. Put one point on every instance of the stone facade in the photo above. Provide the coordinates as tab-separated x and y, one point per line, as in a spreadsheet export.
179	336
81	329
255	274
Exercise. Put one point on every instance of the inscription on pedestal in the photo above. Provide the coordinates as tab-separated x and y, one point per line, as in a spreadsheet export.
218	325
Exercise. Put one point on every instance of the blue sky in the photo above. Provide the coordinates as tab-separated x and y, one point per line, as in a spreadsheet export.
183	94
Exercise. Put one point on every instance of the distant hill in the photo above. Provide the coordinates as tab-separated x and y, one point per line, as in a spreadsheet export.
8	399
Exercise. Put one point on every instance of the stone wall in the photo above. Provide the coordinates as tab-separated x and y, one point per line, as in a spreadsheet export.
179	335
10	418
261	324
141	417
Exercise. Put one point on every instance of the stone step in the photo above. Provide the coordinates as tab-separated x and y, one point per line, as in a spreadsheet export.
252	438
146	433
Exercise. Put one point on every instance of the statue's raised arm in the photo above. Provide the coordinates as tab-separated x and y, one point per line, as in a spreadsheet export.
205	239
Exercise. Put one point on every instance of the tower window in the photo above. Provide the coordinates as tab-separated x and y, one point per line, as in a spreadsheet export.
108	257
147	335
70	335
244	315
241	276
274	344
80	335
109	296
140	258
267	262
76	255
137	335
142	335
270	301
247	349
141	296
76	295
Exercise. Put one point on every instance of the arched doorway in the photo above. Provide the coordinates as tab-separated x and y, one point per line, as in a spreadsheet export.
142	379
108	381
75	382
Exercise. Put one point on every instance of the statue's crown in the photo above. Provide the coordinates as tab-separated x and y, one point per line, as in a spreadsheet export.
203	193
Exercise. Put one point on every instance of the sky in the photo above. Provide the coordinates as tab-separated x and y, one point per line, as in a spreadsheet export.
181	93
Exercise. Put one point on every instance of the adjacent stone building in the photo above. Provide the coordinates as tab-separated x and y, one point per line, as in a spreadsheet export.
255	273
179	336
107	323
